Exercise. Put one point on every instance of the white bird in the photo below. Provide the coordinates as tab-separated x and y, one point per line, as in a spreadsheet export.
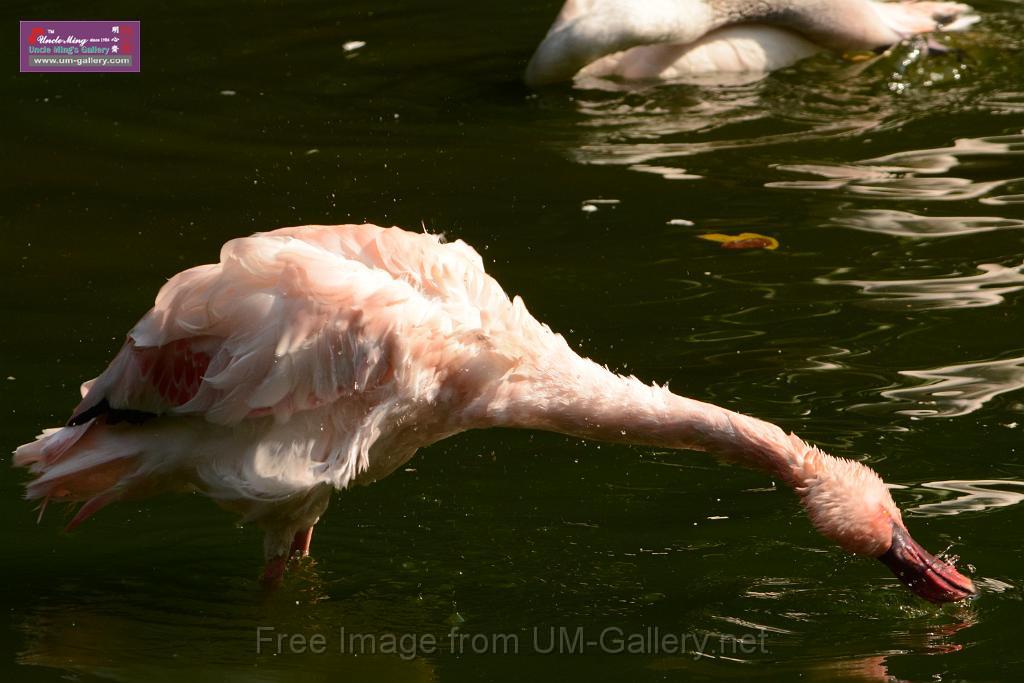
313	358
671	39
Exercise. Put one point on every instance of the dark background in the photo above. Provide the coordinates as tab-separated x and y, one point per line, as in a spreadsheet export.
112	183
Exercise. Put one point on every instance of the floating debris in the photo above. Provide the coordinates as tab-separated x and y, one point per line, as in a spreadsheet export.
353	45
590	205
680	221
228	93
744	240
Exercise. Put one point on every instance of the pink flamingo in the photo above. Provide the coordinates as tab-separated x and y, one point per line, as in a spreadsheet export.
671	39
316	357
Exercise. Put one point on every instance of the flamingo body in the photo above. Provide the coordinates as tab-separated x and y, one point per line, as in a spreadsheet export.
313	358
737	51
308	359
697	39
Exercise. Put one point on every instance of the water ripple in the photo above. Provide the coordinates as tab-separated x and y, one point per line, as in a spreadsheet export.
907	224
1011	102
753	625
976	495
987	288
644	126
955	390
899	175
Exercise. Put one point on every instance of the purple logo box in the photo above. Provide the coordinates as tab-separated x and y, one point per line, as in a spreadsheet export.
80	46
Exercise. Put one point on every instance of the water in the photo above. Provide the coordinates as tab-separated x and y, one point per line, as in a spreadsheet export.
886	327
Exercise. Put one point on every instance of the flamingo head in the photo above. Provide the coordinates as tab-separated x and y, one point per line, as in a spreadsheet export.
848	503
930	577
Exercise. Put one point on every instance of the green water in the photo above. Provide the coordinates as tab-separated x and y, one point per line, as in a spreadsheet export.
886	327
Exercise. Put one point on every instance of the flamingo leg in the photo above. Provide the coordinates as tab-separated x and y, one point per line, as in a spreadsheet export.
301	542
273	572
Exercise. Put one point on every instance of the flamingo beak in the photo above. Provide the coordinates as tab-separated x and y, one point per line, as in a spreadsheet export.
929	577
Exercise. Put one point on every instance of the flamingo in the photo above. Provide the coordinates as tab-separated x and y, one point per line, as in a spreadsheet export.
663	39
313	358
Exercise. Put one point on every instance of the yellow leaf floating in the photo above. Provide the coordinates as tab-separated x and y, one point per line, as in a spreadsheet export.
744	240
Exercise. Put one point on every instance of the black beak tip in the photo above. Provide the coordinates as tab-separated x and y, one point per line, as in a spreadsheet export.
925	575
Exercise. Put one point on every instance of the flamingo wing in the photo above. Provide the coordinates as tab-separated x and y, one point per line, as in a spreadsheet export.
295	319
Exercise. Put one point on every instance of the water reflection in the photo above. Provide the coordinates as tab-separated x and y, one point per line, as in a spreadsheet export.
975	496
899	175
932	639
954	390
1007	102
637	124
910	629
659	125
908	224
186	636
1004	199
645	125
987	288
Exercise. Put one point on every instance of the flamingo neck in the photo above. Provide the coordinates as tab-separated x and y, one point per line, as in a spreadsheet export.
580	398
846	501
